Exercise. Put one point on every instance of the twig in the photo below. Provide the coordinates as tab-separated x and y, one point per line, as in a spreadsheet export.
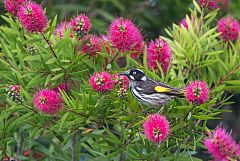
111	61
191	109
29	108
48	42
221	81
19	147
201	19
55	55
74	140
75	112
121	158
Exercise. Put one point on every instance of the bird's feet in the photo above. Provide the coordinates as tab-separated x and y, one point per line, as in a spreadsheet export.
161	109
145	112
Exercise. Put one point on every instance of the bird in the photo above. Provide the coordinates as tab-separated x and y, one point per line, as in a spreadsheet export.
150	92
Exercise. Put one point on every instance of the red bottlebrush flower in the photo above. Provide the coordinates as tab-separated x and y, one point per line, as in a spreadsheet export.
125	36
210	4
61	28
64	87
8	159
101	82
92	44
32	17
156	128
221	145
35	155
159	51
12	6
48	101
229	29
197	92
81	24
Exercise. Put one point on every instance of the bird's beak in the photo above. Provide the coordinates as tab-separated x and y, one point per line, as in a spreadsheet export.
126	73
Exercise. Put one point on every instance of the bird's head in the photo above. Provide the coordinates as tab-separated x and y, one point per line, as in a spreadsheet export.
135	75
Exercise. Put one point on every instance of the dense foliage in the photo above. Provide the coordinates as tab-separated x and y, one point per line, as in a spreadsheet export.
106	123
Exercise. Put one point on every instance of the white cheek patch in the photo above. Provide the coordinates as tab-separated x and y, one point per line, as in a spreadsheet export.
132	77
144	78
140	89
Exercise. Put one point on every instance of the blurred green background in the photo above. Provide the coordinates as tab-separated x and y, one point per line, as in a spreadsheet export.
152	16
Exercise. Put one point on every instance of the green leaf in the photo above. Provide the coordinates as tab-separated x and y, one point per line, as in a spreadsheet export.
63	119
57	76
197	6
34	81
51	60
32	58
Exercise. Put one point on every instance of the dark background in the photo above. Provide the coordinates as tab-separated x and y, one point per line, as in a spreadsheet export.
152	16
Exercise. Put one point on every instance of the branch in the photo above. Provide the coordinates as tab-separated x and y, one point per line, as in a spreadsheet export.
191	109
55	55
75	112
115	56
19	146
221	81
51	47
48	42
74	140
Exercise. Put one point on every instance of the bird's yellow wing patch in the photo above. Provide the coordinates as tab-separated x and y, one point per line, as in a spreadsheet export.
162	89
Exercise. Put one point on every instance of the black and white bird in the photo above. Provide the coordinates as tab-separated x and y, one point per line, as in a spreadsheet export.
149	92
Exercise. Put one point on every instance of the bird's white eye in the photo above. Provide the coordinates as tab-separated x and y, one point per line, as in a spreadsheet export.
134	73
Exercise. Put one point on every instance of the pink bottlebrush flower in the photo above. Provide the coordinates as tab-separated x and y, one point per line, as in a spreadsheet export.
105	43
14	88
125	36
61	28
158	51
122	92
197	92
156	128
92	44
221	145
12	6
81	24
48	101
229	29
121	81
210	4
64	87
32	17
13	92
183	23
225	3
101	82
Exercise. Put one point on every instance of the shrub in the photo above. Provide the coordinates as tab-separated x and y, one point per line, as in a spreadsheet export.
96	118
